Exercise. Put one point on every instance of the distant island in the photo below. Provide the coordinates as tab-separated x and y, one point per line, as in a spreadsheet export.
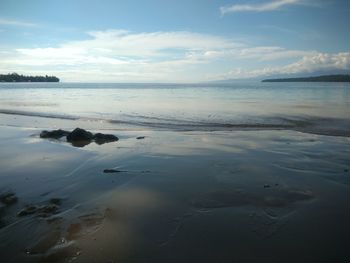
14	77
324	78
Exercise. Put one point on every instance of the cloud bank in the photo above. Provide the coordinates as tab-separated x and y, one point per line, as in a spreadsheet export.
317	62
179	56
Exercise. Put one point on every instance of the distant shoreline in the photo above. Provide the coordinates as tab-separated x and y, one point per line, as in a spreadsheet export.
14	77
324	78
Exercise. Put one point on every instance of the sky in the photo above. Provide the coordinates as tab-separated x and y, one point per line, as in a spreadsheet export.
174	41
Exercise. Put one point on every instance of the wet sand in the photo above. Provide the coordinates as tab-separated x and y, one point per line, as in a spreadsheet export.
224	196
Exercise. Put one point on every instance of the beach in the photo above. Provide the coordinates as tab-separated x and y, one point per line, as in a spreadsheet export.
179	185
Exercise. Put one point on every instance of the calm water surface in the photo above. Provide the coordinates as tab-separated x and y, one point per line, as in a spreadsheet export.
190	106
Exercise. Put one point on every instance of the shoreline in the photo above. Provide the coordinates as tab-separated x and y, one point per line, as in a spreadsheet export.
306	124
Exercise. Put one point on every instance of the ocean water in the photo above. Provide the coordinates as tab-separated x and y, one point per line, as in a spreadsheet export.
322	108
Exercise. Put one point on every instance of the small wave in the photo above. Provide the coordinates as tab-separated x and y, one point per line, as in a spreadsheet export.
308	124
203	126
39	114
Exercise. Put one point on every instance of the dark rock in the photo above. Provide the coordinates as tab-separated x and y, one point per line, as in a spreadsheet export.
111	171
28	210
55	134
48	209
101	138
79	135
140	137
8	198
346	170
44	210
267	186
55	201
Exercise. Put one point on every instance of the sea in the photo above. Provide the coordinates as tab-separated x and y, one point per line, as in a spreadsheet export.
322	108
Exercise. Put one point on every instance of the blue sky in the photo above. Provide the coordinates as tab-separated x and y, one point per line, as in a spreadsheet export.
173	41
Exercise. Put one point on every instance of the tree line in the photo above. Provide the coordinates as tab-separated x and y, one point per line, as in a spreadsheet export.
324	78
14	77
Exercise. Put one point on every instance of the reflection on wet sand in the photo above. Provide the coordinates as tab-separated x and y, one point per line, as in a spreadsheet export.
182	197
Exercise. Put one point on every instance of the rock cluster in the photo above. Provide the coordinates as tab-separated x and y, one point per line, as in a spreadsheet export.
79	137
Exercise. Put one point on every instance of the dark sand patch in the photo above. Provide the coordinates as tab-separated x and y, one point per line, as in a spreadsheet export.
65	252
59	243
47	242
85	224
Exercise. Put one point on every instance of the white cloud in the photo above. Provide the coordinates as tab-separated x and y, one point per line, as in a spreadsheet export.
259	53
9	22
264	7
320	61
124	43
125	46
269	53
123	56
317	62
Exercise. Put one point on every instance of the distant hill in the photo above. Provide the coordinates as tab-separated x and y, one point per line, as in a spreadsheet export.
324	78
14	77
